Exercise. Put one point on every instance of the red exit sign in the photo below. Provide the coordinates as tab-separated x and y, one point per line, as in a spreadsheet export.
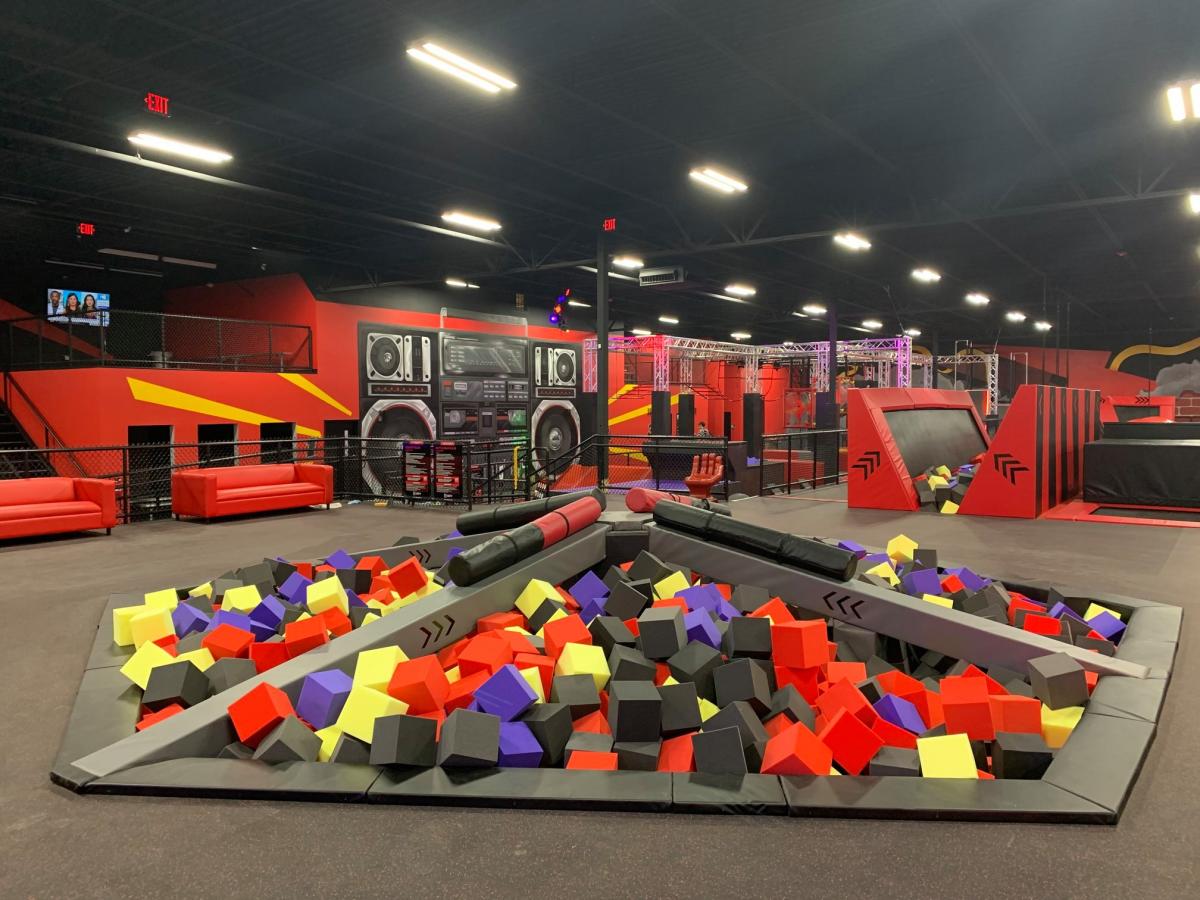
610	224
85	228
158	104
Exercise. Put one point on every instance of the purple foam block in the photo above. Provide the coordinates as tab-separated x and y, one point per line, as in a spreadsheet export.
188	619
588	587
294	587
322	697
854	547
506	694
875	559
340	559
1060	609
262	632
229	617
518	747
591	609
453	552
701	596
268	613
700	627
922	581
900	712
727	610
353	599
455	533
1108	625
970	580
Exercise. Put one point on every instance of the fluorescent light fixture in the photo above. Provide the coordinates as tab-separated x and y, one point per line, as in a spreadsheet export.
873	324
1195	92
718	180
851	241
579	303
1193	203
1015	315
723	297
132	254
913	332
195	263
627	262
668	320
813	309
179	148
1042	325
641	332
466	220
740	335
592	269
73	265
459	283
740	290
1176	104
928	276
977	299
461	68
136	272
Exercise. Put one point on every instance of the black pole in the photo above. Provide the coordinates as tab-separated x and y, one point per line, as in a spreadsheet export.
602	359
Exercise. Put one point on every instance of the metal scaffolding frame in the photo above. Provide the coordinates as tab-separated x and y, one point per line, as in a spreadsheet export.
990	361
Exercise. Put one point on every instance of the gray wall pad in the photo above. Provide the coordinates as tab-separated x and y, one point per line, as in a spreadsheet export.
430	554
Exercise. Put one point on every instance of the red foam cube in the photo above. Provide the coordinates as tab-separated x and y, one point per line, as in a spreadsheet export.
438	716
168	642
854	672
844	695
797	751
258	711
304	568
676	755
1018	603
336	622
1012	712
993	686
488	652
894	735
952	584
570	602
303	635
518	642
671	601
1039	624
153	718
227	641
408	577
268	656
661	673
448	656
499	621
805	680
1092	679
420	683
776	610
632	625
799	644
462	692
593	723
852	743
560	632
372	564
592	760
544	665
966	707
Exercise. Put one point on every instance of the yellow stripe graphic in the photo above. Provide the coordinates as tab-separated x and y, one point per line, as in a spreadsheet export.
621	392
169	397
1155	349
305	385
640	411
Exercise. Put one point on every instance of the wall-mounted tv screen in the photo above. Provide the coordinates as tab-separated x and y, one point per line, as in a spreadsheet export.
77	307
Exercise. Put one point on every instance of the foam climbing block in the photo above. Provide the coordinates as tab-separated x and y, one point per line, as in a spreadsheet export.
289	741
851	742
328	593
469	739
796	751
1057	724
420	683
139	666
257	712
322	696
947	756
402	740
362	707
585	659
152	623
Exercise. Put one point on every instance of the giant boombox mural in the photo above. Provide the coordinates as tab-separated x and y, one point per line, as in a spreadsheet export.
461	385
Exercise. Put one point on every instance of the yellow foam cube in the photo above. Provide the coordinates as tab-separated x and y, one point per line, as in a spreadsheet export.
369	618
374	668
534	677
404	601
947	756
122	616
431	587
940	601
327	593
201	658
453	674
670	680
517	629
166	598
583	659
901	547
949	508
363	707
936	481
329	738
1057	724
1094	609
202	590
944	471
150	625
670	586
885	571
708	709
556	615
241	599
377	605
137	667
535	594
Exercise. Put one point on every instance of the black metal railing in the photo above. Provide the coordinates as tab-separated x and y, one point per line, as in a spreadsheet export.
131	338
802	460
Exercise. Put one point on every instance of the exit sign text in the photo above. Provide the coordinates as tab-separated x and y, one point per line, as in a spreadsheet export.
158	104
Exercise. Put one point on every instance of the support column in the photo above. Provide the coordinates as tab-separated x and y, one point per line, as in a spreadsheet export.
602	318
827	411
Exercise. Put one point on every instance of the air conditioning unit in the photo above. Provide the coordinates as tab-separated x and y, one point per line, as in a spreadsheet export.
663	275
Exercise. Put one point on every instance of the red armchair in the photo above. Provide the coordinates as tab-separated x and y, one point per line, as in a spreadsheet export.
234	490
33	506
707	470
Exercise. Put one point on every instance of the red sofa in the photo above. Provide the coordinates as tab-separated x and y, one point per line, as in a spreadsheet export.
32	506
234	490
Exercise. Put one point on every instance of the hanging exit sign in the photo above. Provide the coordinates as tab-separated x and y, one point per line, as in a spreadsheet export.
85	228
610	224
158	104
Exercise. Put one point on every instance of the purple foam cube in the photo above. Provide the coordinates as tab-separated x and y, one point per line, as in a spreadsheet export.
588	587
1107	624
229	617
702	596
922	581
322	697
269	612
518	747
340	559
900	712
294	587
455	533
188	619
727	610
854	547
262	632
1060	609
506	694
700	627
591	609
874	559
970	580
453	552
353	599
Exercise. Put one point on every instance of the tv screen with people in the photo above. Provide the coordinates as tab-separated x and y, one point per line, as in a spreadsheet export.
77	307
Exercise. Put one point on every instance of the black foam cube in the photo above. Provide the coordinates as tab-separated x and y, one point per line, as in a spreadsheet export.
628	664
588	741
634	711
787	701
740	715
351	750
357	580
201	603
767	667
625	602
225	673
291	614
1101	645
895	761
289	741
1058	680
261	573
576	691
412	741
178	682
856	644
1020	755
469	739
189	642
872	690
746	598
614	576
877	665
719	752
221	585
544	613
925	557
680	708
660	632
740	679
649	567
358	613
281	570
608	631
748	636
696	663
637	756
551	725
236	750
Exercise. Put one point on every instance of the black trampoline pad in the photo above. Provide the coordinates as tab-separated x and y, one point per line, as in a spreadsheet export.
935	437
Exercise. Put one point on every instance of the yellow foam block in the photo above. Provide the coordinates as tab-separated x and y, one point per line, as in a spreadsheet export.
329	738
518	630
535	594
377	604
166	598
940	601
1094	609
391	608
241	599
453	674
583	659
122	616
370	617
202	590
326	594
201	658
556	615
431	587
901	547
949	508
405	601
534	677
708	709
363	707
944	471
670	680
883	570
937	481
137	667
670	586
150	625
374	668
947	756
1057	724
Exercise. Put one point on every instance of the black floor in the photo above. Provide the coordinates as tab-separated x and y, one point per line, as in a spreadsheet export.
56	844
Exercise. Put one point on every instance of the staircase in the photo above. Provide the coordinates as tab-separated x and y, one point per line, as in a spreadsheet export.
19	457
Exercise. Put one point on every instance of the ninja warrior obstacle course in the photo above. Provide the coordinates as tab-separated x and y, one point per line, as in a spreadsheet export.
558	654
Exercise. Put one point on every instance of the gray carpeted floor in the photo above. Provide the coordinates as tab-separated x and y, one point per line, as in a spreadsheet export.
56	844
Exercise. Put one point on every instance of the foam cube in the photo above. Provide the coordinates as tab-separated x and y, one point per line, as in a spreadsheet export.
593	760
796	751
295	587
719	752
469	739
966	707
696	663
188	620
408	578
506	694
577	692
167	598
1014	713
895	761
228	671
241	599
1020	755
328	593
938	600
900	712
661	632
518	747
304	634
374	668
122	616
634	711
609	631
202	659
800	644
175	682
1057	724
1058	680
946	756
901	547
257	712
550	724
152	623
628	664
1095	609
362	707
147	657
852	743
322	696
680	710
401	740
670	586
676	755
1107	625
421	684
742	679
748	636
289	741
566	630
585	659
486	652
534	595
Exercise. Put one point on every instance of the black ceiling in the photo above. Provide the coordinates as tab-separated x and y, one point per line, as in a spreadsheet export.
1020	146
